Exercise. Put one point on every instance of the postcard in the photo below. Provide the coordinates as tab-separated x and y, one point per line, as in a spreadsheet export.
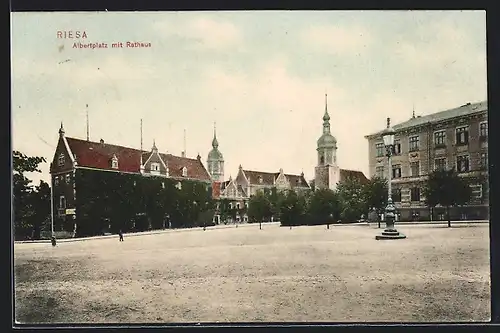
250	166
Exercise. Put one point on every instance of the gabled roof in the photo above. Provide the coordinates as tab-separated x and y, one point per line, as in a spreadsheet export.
195	168
463	110
98	155
353	174
297	181
268	178
255	176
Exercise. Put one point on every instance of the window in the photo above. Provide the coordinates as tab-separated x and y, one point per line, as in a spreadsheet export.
380	149
68	178
61	160
396	171
62	202
483	161
246	204
396	195
440	164
184	172
155	167
415	194
230	205
414	143
162	185
462	135
477	191
56	180
379	172
463	163
415	169
178	185
114	163
440	139
260	179
237	206
397	147
483	130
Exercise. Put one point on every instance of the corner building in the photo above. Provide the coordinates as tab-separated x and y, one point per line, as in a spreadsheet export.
455	138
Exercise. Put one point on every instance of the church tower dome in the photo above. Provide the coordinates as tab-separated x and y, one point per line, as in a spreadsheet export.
215	160
326	140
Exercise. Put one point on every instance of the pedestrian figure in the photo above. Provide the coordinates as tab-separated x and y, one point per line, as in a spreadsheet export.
120	233
53	240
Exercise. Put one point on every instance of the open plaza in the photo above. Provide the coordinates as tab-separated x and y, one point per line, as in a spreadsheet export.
243	274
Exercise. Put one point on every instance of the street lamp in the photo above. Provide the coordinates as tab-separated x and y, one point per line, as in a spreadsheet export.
390	231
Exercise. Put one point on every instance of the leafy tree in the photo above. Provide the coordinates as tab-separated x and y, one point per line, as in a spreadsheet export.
324	206
40	202
375	193
259	207
352	197
448	189
312	185
293	208
224	209
24	213
275	198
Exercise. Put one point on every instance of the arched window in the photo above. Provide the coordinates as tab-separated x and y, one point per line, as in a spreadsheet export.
322	159
184	172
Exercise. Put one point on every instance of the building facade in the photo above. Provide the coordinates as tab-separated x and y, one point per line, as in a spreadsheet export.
455	138
72	154
327	173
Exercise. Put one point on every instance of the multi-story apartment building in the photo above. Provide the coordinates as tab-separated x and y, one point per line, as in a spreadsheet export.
455	138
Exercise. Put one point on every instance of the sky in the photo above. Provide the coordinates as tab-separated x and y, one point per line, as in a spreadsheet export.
259	76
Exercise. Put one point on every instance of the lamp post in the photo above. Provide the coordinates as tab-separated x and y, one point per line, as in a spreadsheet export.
390	231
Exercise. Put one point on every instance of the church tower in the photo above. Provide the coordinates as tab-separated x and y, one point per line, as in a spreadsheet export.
215	161
327	172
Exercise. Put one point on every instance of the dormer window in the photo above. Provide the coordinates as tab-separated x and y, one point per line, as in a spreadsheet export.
184	172
155	168
61	160
178	186
114	162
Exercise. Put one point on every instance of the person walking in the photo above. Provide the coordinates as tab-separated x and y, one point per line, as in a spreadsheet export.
120	233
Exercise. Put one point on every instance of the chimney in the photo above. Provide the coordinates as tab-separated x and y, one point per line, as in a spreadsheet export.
183	154
102	142
198	157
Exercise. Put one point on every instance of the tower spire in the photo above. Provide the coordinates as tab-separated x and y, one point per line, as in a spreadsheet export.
215	143
61	130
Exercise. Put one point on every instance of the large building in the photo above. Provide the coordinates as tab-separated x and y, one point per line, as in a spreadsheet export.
328	174
247	183
455	138
72	154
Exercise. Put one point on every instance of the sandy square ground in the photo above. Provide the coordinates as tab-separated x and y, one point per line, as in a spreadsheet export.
246	274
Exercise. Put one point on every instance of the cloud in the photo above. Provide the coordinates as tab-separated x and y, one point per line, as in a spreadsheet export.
332	39
440	45
207	33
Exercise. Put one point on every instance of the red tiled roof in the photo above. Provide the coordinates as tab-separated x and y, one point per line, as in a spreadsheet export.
98	155
297	180
195	169
353	174
254	176
268	178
